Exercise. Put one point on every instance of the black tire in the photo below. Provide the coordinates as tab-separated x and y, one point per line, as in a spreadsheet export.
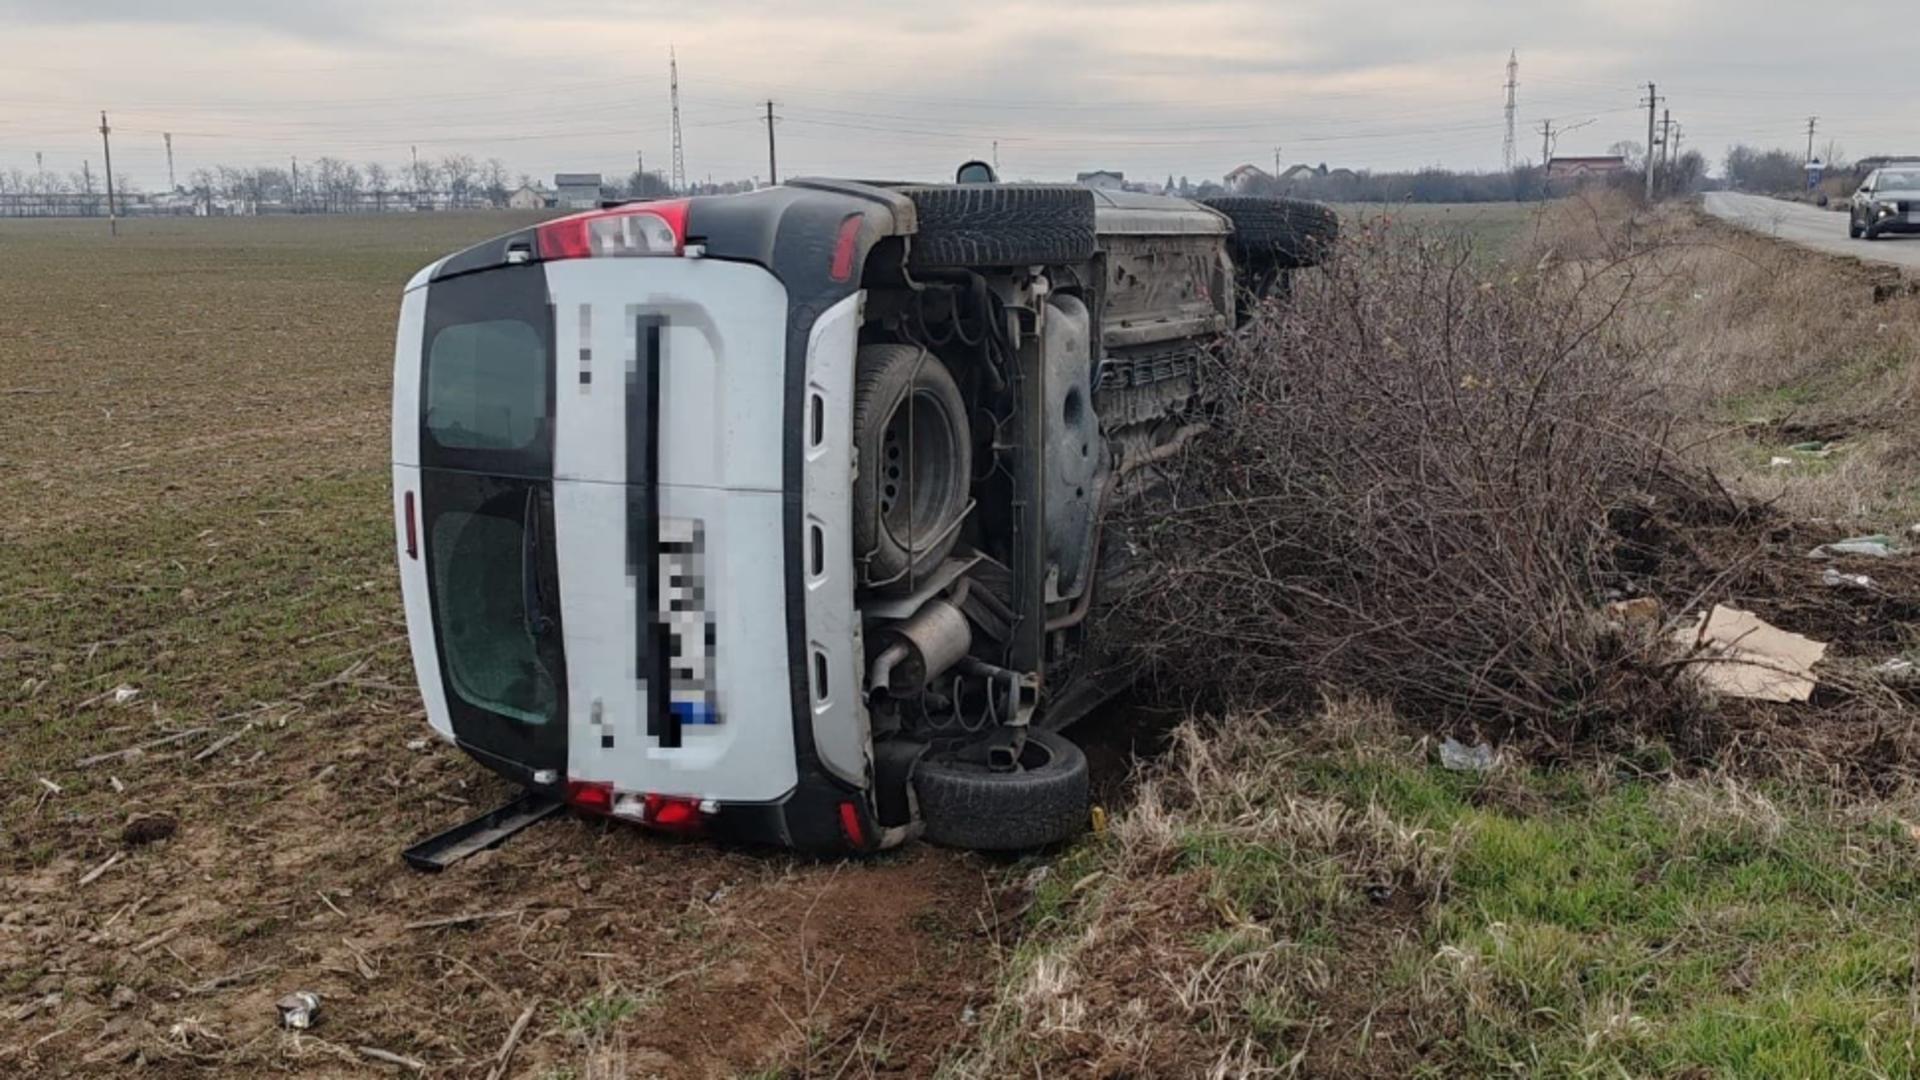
1853	226
1000	225
915	464
1273	232
970	806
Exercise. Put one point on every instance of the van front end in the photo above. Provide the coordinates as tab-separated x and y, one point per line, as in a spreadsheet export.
622	491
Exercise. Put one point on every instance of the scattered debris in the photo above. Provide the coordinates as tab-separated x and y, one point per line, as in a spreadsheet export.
505	1055
416	745
1877	546
1834	579
1640	611
142	829
124	694
969	1016
93	875
299	1009
1738	654
1779	462
1815	448
136	751
123	997
377	1054
460	920
52	788
1896	666
1460	757
223	742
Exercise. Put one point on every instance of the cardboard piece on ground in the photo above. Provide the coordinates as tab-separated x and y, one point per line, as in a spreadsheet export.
1752	658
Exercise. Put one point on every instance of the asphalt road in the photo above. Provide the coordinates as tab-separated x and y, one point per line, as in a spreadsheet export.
1812	227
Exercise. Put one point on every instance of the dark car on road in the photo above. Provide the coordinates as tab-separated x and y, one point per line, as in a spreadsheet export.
1888	202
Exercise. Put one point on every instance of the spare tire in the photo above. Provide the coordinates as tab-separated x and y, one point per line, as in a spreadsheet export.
1277	233
915	465
968	805
1000	224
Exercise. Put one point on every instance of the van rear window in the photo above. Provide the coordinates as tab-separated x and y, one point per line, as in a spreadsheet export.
486	386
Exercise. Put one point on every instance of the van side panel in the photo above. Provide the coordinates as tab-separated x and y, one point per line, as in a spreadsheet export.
840	723
406	482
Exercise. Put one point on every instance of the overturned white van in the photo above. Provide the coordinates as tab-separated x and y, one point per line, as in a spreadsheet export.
777	515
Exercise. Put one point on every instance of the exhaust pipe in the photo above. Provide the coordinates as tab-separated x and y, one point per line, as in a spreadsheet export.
923	646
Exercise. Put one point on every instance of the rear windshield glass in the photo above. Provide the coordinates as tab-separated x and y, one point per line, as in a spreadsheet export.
492	655
486	385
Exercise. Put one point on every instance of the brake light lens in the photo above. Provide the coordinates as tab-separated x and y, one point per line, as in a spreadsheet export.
850	825
589	796
843	247
649	228
673	814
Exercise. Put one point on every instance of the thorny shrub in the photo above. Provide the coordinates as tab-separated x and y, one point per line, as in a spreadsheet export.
1424	471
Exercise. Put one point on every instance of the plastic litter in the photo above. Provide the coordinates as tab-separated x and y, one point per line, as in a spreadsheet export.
299	1009
124	694
1813	447
1459	757
1742	655
1876	546
1781	463
1834	579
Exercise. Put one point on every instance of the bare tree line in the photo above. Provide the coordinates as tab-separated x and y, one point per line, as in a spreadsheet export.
325	185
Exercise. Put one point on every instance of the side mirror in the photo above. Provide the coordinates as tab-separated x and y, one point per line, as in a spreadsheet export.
975	172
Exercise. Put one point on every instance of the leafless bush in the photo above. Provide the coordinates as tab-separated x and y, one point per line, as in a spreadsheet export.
1425	472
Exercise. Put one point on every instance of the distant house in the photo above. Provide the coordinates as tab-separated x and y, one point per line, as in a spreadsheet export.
1245	178
531	197
1104	179
1303	172
1574	170
576	191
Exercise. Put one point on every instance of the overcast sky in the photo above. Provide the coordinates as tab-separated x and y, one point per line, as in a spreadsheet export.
865	88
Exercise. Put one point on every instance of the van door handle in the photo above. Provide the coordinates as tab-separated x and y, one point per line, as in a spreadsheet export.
532	596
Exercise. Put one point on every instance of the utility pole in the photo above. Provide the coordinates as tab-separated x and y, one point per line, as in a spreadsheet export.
996	157
1546	158
1513	83
293	186
640	168
106	145
1276	163
773	173
1666	140
1811	122
1676	143
168	136
1653	105
416	174
678	180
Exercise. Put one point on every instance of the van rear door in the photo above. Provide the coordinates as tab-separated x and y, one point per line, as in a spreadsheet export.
486	518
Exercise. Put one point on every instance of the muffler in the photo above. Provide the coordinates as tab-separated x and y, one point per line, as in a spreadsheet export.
919	649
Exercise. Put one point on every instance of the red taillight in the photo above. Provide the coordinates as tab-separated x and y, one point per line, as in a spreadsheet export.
589	796
843	248
850	824
673	813
413	530
649	228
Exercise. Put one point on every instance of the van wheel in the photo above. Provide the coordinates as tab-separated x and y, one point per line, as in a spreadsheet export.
1043	801
1285	233
974	225
915	463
